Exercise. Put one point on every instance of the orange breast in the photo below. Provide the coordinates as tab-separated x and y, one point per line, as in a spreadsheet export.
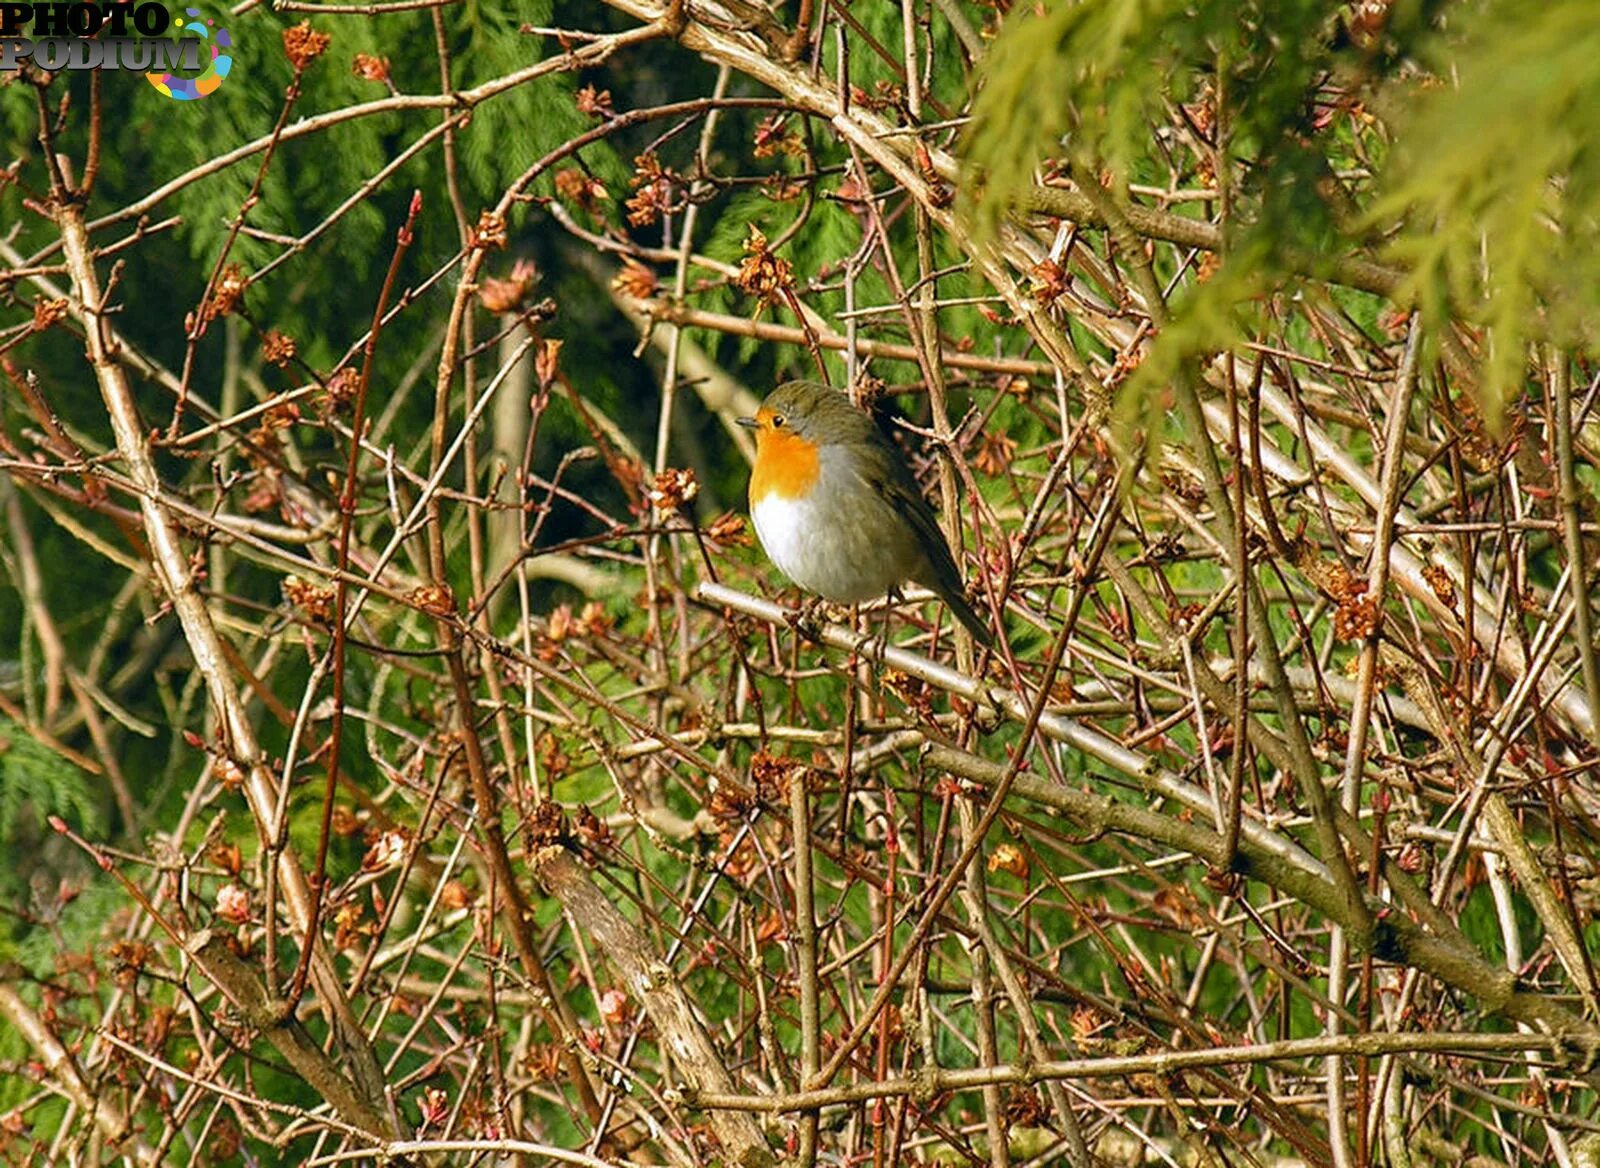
786	465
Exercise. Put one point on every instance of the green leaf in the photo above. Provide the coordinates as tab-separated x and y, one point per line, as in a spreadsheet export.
1496	181
34	778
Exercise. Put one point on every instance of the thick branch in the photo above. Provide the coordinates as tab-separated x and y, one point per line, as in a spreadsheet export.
278	1025
928	1083
683	1035
172	567
58	1062
1393	936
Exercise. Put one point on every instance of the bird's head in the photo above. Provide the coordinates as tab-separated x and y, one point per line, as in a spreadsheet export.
808	411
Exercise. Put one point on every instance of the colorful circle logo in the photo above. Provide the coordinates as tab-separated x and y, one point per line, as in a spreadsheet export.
215	72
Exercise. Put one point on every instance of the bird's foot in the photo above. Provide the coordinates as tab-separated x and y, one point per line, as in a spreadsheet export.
805	619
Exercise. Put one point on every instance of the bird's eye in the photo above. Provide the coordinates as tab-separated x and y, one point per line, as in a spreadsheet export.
778	421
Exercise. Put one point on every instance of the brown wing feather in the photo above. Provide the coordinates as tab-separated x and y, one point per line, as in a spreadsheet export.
897	485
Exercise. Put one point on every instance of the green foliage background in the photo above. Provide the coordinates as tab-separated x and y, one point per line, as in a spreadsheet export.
1486	196
1482	192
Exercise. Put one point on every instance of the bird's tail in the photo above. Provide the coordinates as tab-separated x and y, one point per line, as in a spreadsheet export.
968	616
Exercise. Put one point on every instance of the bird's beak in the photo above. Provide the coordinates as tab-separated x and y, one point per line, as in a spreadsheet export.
748	423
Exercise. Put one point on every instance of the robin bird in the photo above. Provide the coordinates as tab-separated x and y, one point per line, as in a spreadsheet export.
838	510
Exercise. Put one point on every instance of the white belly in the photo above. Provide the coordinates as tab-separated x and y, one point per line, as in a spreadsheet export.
842	563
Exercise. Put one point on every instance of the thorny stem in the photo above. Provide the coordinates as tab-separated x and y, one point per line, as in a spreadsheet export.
1577	557
1360	715
928	1083
199	319
341	593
